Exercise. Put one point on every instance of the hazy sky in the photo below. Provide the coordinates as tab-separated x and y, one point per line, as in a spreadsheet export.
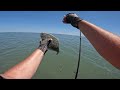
51	21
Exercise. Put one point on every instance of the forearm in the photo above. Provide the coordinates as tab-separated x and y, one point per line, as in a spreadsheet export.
26	68
106	43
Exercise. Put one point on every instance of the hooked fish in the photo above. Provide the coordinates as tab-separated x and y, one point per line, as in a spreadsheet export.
54	45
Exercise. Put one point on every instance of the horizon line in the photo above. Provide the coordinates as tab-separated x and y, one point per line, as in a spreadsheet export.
40	32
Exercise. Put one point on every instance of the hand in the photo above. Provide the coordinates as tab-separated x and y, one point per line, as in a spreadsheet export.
72	19
44	45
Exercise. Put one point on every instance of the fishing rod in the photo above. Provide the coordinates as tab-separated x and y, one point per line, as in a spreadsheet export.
78	58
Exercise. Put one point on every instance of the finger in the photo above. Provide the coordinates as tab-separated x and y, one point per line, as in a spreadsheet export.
64	19
49	41
40	42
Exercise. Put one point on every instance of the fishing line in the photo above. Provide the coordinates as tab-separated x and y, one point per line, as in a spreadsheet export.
78	58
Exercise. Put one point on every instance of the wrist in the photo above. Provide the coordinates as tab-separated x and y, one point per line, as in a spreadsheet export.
39	51
42	48
77	23
80	23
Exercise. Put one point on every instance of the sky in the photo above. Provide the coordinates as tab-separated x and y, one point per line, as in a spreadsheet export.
51	21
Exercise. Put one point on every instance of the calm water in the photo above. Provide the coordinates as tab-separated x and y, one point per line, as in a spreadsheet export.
14	47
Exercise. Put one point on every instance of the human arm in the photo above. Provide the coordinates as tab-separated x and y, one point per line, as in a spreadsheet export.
106	44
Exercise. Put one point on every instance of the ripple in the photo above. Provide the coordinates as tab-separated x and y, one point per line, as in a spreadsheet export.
14	47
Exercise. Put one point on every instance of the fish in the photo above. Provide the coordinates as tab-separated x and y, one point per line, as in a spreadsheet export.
54	44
